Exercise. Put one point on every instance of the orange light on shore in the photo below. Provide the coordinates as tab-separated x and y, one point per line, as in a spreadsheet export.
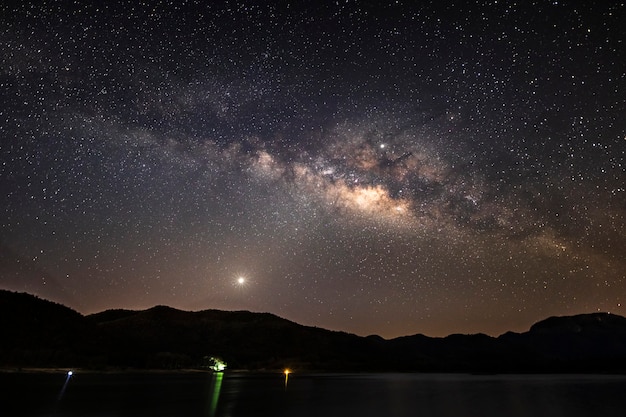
286	372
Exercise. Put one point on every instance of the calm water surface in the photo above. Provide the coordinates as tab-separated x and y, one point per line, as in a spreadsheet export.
251	394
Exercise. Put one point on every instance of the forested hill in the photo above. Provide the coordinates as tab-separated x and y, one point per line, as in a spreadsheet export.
40	333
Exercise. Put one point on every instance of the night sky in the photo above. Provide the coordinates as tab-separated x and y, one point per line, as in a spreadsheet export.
383	168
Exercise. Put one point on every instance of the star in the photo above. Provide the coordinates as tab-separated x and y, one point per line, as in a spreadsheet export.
371	174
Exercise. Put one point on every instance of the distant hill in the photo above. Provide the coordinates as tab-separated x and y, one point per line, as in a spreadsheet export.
37	332
586	342
40	333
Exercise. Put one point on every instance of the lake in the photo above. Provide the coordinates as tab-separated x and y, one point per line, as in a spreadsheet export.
272	394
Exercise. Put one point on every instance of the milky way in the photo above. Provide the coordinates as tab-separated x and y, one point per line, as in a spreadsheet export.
379	169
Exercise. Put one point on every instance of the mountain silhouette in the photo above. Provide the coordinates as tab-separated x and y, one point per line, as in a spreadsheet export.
40	333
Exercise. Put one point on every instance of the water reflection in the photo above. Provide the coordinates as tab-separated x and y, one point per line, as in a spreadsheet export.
245	394
287	372
67	380
216	388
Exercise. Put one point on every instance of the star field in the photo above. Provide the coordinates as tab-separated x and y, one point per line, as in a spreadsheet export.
378	168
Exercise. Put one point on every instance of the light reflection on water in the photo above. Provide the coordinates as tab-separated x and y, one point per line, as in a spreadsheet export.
216	388
281	394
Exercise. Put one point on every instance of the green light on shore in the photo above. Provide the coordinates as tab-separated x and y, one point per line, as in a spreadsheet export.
217	364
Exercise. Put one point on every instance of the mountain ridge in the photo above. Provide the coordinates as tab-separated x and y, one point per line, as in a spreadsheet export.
41	333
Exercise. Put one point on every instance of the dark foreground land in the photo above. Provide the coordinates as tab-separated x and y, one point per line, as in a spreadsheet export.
39	333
